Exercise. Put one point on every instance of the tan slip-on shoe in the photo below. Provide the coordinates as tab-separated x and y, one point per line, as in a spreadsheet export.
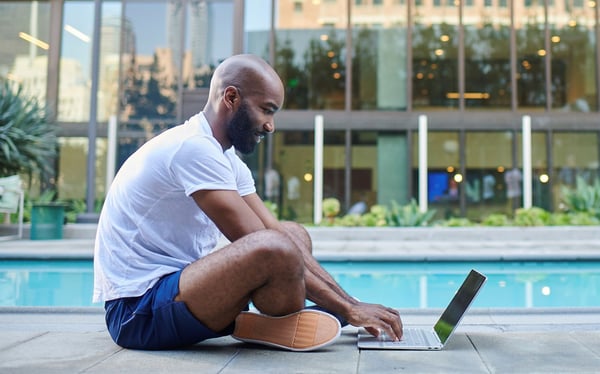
305	330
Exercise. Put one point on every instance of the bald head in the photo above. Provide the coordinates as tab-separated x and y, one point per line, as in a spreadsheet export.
245	93
250	74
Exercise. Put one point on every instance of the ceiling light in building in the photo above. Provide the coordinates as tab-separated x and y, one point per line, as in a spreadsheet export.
308	177
337	76
78	34
572	23
541	52
592	4
500	169
334	65
444	38
324	37
458	178
331	54
419	75
439	52
555	39
33	40
450	169
544	178
469	95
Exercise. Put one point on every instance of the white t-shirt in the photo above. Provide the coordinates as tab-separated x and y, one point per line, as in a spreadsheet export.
150	225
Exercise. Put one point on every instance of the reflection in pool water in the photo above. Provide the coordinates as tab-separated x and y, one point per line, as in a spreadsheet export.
397	284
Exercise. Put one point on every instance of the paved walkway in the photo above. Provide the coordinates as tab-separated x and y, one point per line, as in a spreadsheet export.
49	340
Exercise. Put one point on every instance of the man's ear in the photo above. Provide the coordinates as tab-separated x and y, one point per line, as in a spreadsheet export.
231	96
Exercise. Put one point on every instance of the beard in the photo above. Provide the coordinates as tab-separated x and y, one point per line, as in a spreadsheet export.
241	132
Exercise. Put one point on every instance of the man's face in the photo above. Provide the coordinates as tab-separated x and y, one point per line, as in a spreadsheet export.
243	133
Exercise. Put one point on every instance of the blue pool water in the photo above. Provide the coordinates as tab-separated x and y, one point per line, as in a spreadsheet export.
396	284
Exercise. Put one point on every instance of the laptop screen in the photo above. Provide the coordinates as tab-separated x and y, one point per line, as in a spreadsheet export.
459	305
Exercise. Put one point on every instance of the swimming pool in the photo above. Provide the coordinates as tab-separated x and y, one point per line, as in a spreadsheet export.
523	284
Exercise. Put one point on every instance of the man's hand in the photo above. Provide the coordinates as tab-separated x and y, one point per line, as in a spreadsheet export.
376	319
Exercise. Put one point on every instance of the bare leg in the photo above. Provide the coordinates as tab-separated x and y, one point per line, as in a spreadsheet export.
264	267
322	289
318	280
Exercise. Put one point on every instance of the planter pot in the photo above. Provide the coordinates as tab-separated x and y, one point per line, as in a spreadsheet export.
47	221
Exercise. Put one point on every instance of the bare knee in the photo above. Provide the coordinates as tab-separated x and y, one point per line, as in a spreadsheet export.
299	234
278	249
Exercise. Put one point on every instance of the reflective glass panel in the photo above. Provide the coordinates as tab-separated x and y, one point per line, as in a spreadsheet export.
487	56
531	79
573	55
293	155
310	48
150	65
208	40
435	55
24	29
575	155
443	159
379	78
491	183
76	61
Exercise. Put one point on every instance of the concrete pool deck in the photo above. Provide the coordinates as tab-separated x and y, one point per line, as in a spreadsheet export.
74	340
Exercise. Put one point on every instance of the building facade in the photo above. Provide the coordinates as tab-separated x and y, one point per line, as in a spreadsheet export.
474	68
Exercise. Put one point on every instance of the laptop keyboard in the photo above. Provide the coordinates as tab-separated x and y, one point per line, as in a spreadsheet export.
416	336
410	336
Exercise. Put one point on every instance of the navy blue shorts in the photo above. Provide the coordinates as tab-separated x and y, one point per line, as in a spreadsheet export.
155	320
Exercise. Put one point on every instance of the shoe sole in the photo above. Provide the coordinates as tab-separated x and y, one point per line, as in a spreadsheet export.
305	330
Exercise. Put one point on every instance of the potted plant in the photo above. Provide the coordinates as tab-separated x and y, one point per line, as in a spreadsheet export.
28	142
27	138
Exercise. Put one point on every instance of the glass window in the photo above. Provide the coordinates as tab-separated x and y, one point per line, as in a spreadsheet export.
75	62
435	57
379	60
531	79
574	155
310	54
24	30
257	26
208	39
541	193
108	75
491	184
443	172
487	59
73	165
150	65
573	59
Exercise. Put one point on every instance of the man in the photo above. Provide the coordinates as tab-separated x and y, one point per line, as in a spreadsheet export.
162	284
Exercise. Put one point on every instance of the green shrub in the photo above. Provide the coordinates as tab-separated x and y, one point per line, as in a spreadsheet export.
531	217
408	215
27	139
331	207
584	198
573	219
457	222
496	219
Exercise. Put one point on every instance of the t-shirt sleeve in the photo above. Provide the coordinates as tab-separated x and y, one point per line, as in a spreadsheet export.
199	164
244	178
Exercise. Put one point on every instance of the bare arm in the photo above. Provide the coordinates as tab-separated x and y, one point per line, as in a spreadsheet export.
237	216
323	290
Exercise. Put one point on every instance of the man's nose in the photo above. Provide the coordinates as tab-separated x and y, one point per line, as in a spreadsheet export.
269	127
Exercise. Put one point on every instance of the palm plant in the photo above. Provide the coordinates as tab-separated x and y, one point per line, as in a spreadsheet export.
584	198
27	139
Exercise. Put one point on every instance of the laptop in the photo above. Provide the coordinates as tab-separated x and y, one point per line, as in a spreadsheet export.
436	337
